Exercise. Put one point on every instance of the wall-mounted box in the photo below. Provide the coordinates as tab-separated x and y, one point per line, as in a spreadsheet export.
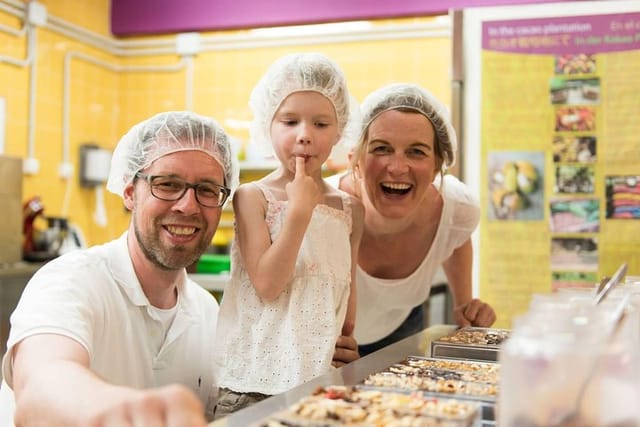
95	163
11	202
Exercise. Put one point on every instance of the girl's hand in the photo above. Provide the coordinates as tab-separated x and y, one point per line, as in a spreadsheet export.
303	192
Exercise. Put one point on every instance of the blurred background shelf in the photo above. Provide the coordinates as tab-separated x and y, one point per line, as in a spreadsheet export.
211	282
258	166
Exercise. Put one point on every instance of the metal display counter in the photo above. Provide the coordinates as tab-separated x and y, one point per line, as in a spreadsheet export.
351	374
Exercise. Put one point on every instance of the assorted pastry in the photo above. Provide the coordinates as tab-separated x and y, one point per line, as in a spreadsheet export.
418	391
476	336
358	407
433	385
446	369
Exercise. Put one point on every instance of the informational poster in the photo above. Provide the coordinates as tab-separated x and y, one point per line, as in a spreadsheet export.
560	155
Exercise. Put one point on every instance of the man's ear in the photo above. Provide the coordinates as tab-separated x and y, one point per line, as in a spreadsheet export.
128	196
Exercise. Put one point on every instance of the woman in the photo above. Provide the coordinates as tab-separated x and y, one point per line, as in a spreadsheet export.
417	219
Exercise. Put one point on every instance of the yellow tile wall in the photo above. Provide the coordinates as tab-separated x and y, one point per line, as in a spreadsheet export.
104	104
92	15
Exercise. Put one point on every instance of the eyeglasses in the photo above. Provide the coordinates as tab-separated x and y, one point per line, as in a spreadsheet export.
171	189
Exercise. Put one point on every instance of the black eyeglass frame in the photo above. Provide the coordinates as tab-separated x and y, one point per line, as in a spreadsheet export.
225	191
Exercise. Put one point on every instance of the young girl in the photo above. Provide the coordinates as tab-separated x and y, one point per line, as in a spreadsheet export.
293	262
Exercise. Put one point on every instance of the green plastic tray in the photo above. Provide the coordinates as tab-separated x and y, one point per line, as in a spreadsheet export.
213	264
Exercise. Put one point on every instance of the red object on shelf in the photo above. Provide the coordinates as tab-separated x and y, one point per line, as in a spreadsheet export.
31	209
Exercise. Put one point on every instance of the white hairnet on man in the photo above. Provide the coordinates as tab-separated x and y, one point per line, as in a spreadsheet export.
167	133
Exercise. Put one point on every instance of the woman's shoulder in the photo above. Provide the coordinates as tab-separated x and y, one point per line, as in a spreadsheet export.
342	181
461	204
457	191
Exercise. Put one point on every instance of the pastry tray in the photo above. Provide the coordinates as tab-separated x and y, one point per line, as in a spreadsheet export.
483	350
319	410
453	379
487	405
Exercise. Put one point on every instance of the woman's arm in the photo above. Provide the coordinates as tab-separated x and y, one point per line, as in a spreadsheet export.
467	311
346	347
54	386
357	211
458	270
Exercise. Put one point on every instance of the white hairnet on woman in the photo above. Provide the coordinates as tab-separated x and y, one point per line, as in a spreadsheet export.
300	72
408	96
167	133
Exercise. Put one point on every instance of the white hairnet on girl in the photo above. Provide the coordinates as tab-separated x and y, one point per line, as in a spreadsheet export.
413	97
296	73
167	133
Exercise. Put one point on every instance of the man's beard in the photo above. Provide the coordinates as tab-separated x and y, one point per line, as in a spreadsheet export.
172	258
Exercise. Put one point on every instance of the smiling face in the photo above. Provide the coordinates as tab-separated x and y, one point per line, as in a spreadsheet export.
173	235
398	162
304	125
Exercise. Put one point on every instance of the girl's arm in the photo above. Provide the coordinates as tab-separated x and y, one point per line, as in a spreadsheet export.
467	311
271	265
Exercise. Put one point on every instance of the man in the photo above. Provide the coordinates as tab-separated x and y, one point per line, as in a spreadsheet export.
117	335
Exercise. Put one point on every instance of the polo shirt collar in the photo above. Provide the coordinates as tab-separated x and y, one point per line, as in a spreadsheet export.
124	274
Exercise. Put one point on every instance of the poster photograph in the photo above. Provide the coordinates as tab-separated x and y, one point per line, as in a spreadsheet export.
574	148
623	197
575	215
574	254
572	63
574	179
516	185
574	91
573	279
575	119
